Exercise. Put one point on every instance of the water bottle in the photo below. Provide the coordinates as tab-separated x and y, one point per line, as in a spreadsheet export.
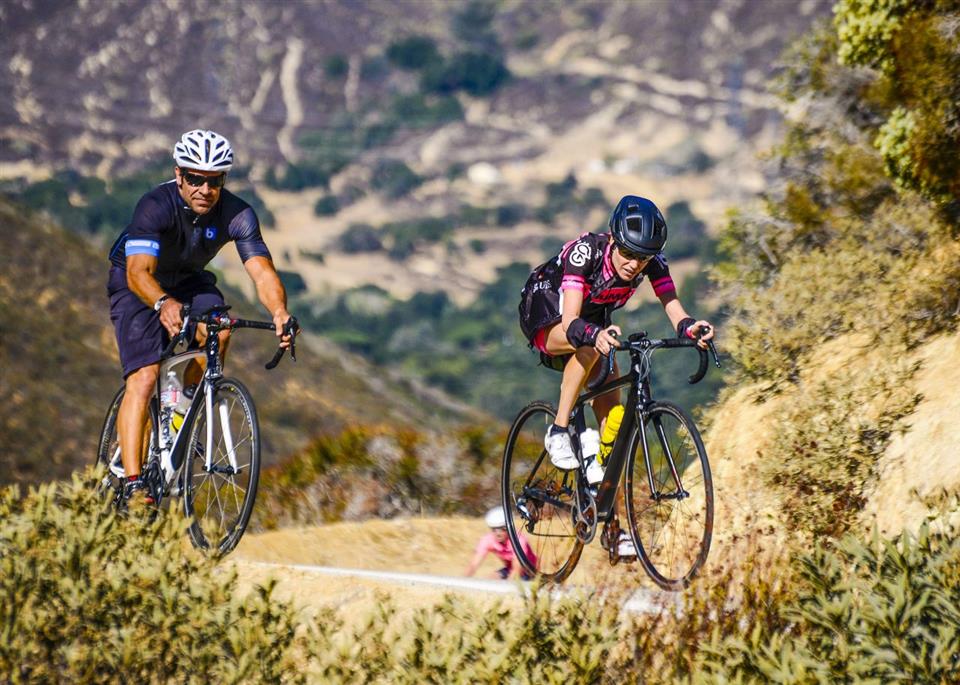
614	418
171	397
171	390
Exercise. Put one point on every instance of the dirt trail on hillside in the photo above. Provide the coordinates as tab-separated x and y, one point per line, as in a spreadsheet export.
437	546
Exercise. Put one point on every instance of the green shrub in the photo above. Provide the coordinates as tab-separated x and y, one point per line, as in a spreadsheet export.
426	111
94	598
394	178
299	176
359	238
687	234
476	73
413	52
292	282
326	206
335	67
829	440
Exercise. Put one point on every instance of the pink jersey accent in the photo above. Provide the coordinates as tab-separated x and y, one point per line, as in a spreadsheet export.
608	271
663	285
540	340
489	544
574	282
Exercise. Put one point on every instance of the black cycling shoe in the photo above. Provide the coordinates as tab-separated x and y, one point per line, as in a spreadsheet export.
136	495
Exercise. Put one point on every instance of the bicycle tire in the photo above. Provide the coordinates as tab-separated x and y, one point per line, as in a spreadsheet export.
206	492
108	448
555	547
672	535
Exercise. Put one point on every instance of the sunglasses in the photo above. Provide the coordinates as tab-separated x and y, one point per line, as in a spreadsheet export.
197	180
630	255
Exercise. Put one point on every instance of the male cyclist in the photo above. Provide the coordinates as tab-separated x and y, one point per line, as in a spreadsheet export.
157	266
497	543
567	303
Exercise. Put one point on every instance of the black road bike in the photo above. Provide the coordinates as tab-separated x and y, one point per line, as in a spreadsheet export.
667	484
210	454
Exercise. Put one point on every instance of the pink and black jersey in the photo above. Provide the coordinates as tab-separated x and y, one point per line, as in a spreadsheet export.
585	264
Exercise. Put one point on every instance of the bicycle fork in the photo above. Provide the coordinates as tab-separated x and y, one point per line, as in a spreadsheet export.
225	431
655	494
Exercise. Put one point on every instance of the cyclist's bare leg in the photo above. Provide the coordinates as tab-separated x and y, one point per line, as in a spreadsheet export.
574	373
132	416
604	403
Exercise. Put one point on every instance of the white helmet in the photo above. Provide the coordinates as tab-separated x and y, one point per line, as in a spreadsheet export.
203	151
495	518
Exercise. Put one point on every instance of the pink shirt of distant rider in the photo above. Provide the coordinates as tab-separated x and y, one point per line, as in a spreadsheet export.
503	550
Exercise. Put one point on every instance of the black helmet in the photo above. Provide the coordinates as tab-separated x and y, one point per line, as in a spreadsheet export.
637	225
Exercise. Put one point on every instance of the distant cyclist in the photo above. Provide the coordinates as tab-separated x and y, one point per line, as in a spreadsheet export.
497	542
157	265
566	307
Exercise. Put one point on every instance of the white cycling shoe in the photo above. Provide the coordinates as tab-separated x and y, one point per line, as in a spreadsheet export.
625	548
560	451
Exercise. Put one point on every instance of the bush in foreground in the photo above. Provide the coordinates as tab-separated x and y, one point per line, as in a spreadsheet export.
89	597
86	596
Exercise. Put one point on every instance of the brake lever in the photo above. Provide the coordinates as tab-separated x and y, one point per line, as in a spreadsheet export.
713	348
291	327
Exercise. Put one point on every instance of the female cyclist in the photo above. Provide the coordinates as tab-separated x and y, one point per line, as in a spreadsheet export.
567	302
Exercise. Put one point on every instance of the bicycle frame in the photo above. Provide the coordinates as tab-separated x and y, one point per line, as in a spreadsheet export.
638	399
172	452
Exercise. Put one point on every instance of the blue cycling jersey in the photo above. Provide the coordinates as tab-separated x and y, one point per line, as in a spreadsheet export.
183	241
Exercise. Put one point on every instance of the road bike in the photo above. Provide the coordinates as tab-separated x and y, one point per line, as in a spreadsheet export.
203	447
667	486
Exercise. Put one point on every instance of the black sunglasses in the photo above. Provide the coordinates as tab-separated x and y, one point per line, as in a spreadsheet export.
631	255
197	180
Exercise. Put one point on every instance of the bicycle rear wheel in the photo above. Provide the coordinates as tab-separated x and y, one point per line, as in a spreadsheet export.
108	449
219	492
672	525
538	499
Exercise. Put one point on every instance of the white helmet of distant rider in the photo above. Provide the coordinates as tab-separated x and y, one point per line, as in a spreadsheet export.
204	151
495	518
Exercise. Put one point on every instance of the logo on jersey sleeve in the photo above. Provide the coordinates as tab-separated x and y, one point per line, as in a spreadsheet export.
580	254
210	233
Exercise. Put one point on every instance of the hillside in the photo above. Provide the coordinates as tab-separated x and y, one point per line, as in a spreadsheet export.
414	160
60	367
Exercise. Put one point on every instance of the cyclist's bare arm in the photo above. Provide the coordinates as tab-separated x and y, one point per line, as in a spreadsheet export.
271	292
676	313
475	562
142	282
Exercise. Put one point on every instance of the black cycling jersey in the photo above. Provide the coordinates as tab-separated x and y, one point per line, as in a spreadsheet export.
584	264
183	241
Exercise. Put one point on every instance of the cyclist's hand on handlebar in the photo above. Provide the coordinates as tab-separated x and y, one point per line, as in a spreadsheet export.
606	340
702	331
171	317
280	319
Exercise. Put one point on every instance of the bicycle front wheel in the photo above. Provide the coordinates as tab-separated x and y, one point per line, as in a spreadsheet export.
538	499
669	496
222	469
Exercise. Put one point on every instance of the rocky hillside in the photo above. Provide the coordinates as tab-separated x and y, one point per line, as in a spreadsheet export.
391	112
413	159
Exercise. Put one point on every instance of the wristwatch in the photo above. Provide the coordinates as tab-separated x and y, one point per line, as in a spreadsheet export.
159	302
